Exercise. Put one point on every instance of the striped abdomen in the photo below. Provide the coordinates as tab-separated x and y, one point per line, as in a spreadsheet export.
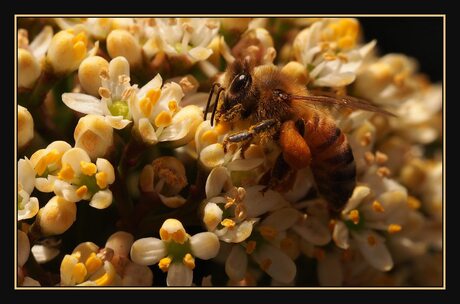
333	165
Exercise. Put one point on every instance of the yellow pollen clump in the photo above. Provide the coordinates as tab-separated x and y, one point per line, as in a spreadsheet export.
377	207
101	179
189	261
371	240
153	95
93	263
268	232
164	264
230	224
344	32
394	228
82	191
413	202
88	168
105	280
172	106
66	173
165	235
381	158
179	236
163	119
354	216
209	137
383	172
79	273
369	158
265	264
146	106
366	139
50	158
329	57
250	247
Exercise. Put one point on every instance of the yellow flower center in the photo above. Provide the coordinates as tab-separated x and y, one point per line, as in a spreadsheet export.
88	168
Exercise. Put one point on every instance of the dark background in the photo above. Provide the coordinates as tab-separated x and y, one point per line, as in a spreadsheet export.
418	37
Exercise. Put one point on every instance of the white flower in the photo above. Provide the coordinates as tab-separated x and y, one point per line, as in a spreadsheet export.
30	55
25	127
47	163
328	49
115	92
182	36
175	252
27	206
79	179
379	206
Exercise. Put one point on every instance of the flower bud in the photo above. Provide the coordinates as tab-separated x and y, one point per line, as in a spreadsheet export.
122	43
28	69
25	127
23	248
66	51
94	135
89	71
297	71
57	216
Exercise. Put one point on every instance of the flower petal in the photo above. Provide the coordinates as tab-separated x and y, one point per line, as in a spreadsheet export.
280	267
86	104
117	122
120	242
26	175
147	131
340	235
155	83
313	231
41	42
257	203
212	216
200	53
204	245
236	263
374	250
44	254
102	199
30	209
218	181
282	219
105	166
148	251
179	275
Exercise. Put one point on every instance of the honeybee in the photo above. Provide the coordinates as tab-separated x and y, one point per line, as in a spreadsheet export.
276	107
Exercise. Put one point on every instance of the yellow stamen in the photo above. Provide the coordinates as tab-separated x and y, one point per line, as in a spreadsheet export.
88	168
163	119
354	216
101	179
250	247
268	232
165	235
366	139
413	202
179	236
164	264
369	158
79	49
371	240
209	137
66	173
50	158
265	264
146	106
230	202
93	263
153	95
377	207
383	172
381	158
79	273
105	280
394	228
172	106
81	192
230	224
189	261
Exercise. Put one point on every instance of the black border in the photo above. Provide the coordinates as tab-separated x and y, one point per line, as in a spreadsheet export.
201	296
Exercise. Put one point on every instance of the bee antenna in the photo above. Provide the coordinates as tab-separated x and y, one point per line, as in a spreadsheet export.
215	104
211	93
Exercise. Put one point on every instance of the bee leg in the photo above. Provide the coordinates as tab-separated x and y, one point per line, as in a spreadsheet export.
282	176
243	136
295	149
233	113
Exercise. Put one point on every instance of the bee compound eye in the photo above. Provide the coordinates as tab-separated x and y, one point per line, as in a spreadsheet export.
240	82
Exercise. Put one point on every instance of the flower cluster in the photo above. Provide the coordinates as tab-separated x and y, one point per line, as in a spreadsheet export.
147	158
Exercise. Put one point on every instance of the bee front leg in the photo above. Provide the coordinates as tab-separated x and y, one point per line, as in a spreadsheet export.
244	137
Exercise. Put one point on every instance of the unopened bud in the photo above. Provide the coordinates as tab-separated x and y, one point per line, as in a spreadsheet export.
94	135
57	216
123	43
89	74
25	127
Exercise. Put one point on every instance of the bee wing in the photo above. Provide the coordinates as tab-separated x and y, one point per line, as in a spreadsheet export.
330	99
